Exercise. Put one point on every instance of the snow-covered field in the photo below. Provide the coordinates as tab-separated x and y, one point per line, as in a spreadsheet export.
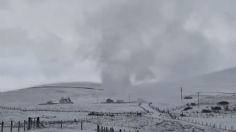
21	104
60	130
85	101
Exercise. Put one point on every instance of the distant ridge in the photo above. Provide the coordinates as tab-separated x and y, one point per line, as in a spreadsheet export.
166	93
66	87
80	85
79	92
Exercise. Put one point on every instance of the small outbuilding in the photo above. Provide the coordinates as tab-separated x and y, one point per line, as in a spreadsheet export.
188	97
109	101
65	100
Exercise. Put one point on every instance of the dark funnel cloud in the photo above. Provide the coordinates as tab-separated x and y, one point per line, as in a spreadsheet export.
118	42
147	40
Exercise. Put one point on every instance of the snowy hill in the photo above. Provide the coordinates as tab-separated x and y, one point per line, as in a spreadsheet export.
223	81
168	93
163	93
78	92
87	97
82	85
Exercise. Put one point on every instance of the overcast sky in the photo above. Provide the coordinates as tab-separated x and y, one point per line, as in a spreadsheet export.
122	41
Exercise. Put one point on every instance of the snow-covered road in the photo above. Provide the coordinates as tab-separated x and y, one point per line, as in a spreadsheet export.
170	124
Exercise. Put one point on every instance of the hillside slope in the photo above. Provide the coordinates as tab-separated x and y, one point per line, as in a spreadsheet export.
78	92
164	93
168	93
220	81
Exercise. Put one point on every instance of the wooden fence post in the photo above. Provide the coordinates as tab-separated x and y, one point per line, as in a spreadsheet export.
18	126
24	124
35	123
97	128
2	126
38	122
81	125
29	123
11	126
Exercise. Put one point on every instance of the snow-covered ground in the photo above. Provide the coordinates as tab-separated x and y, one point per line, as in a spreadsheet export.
21	104
60	130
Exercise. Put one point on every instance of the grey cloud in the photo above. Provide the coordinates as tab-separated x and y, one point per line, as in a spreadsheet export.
45	59
3	4
128	40
148	40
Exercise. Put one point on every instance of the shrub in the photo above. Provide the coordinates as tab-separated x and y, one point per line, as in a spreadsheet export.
206	111
109	101
188	97
223	103
216	108
187	108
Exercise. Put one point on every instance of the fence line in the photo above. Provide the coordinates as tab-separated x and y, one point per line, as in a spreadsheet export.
35	123
37	109
111	129
208	124
195	121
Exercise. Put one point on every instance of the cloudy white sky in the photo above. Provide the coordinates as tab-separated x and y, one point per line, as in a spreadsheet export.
43	41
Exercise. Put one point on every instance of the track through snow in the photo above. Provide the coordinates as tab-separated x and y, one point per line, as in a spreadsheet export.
169	124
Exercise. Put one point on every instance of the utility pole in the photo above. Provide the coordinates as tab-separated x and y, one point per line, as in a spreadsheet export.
181	93
198	101
129	98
